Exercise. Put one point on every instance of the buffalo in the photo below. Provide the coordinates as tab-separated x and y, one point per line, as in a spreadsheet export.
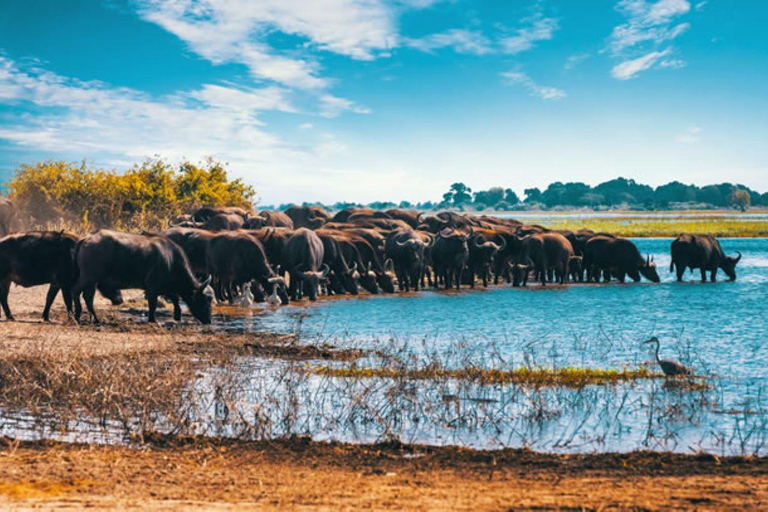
303	256
406	249
343	279
482	253
154	263
702	252
619	257
450	254
268	218
207	212
194	242
35	258
545	254
236	258
310	217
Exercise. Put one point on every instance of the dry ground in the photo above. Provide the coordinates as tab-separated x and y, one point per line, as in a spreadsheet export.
301	474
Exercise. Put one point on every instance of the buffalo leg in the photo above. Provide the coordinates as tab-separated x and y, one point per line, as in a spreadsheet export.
703	275
88	294
5	288
49	298
152	300
680	273
176	309
713	275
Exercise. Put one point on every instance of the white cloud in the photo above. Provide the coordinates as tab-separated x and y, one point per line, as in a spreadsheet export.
689	136
575	60
538	29
630	68
543	92
90	118
306	126
244	101
235	31
462	41
331	106
649	26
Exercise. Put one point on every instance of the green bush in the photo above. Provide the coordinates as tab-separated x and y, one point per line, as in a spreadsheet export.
55	194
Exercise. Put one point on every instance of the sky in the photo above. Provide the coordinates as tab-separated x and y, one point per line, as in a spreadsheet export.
363	100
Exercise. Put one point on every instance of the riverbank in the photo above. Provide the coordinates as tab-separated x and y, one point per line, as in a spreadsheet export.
652	224
298	473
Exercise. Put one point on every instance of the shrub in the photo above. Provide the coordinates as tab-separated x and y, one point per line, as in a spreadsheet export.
57	194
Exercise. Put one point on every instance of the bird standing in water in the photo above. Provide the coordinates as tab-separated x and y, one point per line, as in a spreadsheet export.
670	368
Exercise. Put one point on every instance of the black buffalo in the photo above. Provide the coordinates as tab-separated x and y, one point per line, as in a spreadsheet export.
702	252
268	218
310	217
406	249
153	263
194	242
618	257
35	258
303	257
485	245
207	212
545	254
236	258
449	255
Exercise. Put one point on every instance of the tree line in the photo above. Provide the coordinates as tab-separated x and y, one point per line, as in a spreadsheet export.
619	193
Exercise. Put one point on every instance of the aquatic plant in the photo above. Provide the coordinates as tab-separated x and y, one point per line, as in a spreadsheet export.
537	377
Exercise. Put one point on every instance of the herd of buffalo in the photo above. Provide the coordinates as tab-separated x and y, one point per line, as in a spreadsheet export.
220	253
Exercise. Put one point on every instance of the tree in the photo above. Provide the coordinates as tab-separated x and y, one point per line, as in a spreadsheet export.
532	195
739	199
491	196
510	197
458	195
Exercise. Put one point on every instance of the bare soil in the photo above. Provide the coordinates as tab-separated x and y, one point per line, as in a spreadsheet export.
301	474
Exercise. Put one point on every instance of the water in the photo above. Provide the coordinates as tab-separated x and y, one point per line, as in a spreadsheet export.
720	329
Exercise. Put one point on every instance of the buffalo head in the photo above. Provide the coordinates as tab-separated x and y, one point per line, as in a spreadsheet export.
729	265
200	300
386	279
313	280
648	270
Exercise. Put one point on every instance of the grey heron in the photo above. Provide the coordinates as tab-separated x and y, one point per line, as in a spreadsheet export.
670	368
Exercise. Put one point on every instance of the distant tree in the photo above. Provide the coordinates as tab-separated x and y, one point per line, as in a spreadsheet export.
739	199
675	192
491	196
532	195
381	205
405	205
458	195
510	197
622	190
503	206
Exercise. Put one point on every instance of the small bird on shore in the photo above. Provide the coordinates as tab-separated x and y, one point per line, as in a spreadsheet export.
245	298
670	368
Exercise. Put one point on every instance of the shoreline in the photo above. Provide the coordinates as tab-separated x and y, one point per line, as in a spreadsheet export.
292	473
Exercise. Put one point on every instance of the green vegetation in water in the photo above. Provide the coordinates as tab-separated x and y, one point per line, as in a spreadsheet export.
664	227
535	377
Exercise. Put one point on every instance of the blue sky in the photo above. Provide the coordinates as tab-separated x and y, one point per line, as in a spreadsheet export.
367	100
